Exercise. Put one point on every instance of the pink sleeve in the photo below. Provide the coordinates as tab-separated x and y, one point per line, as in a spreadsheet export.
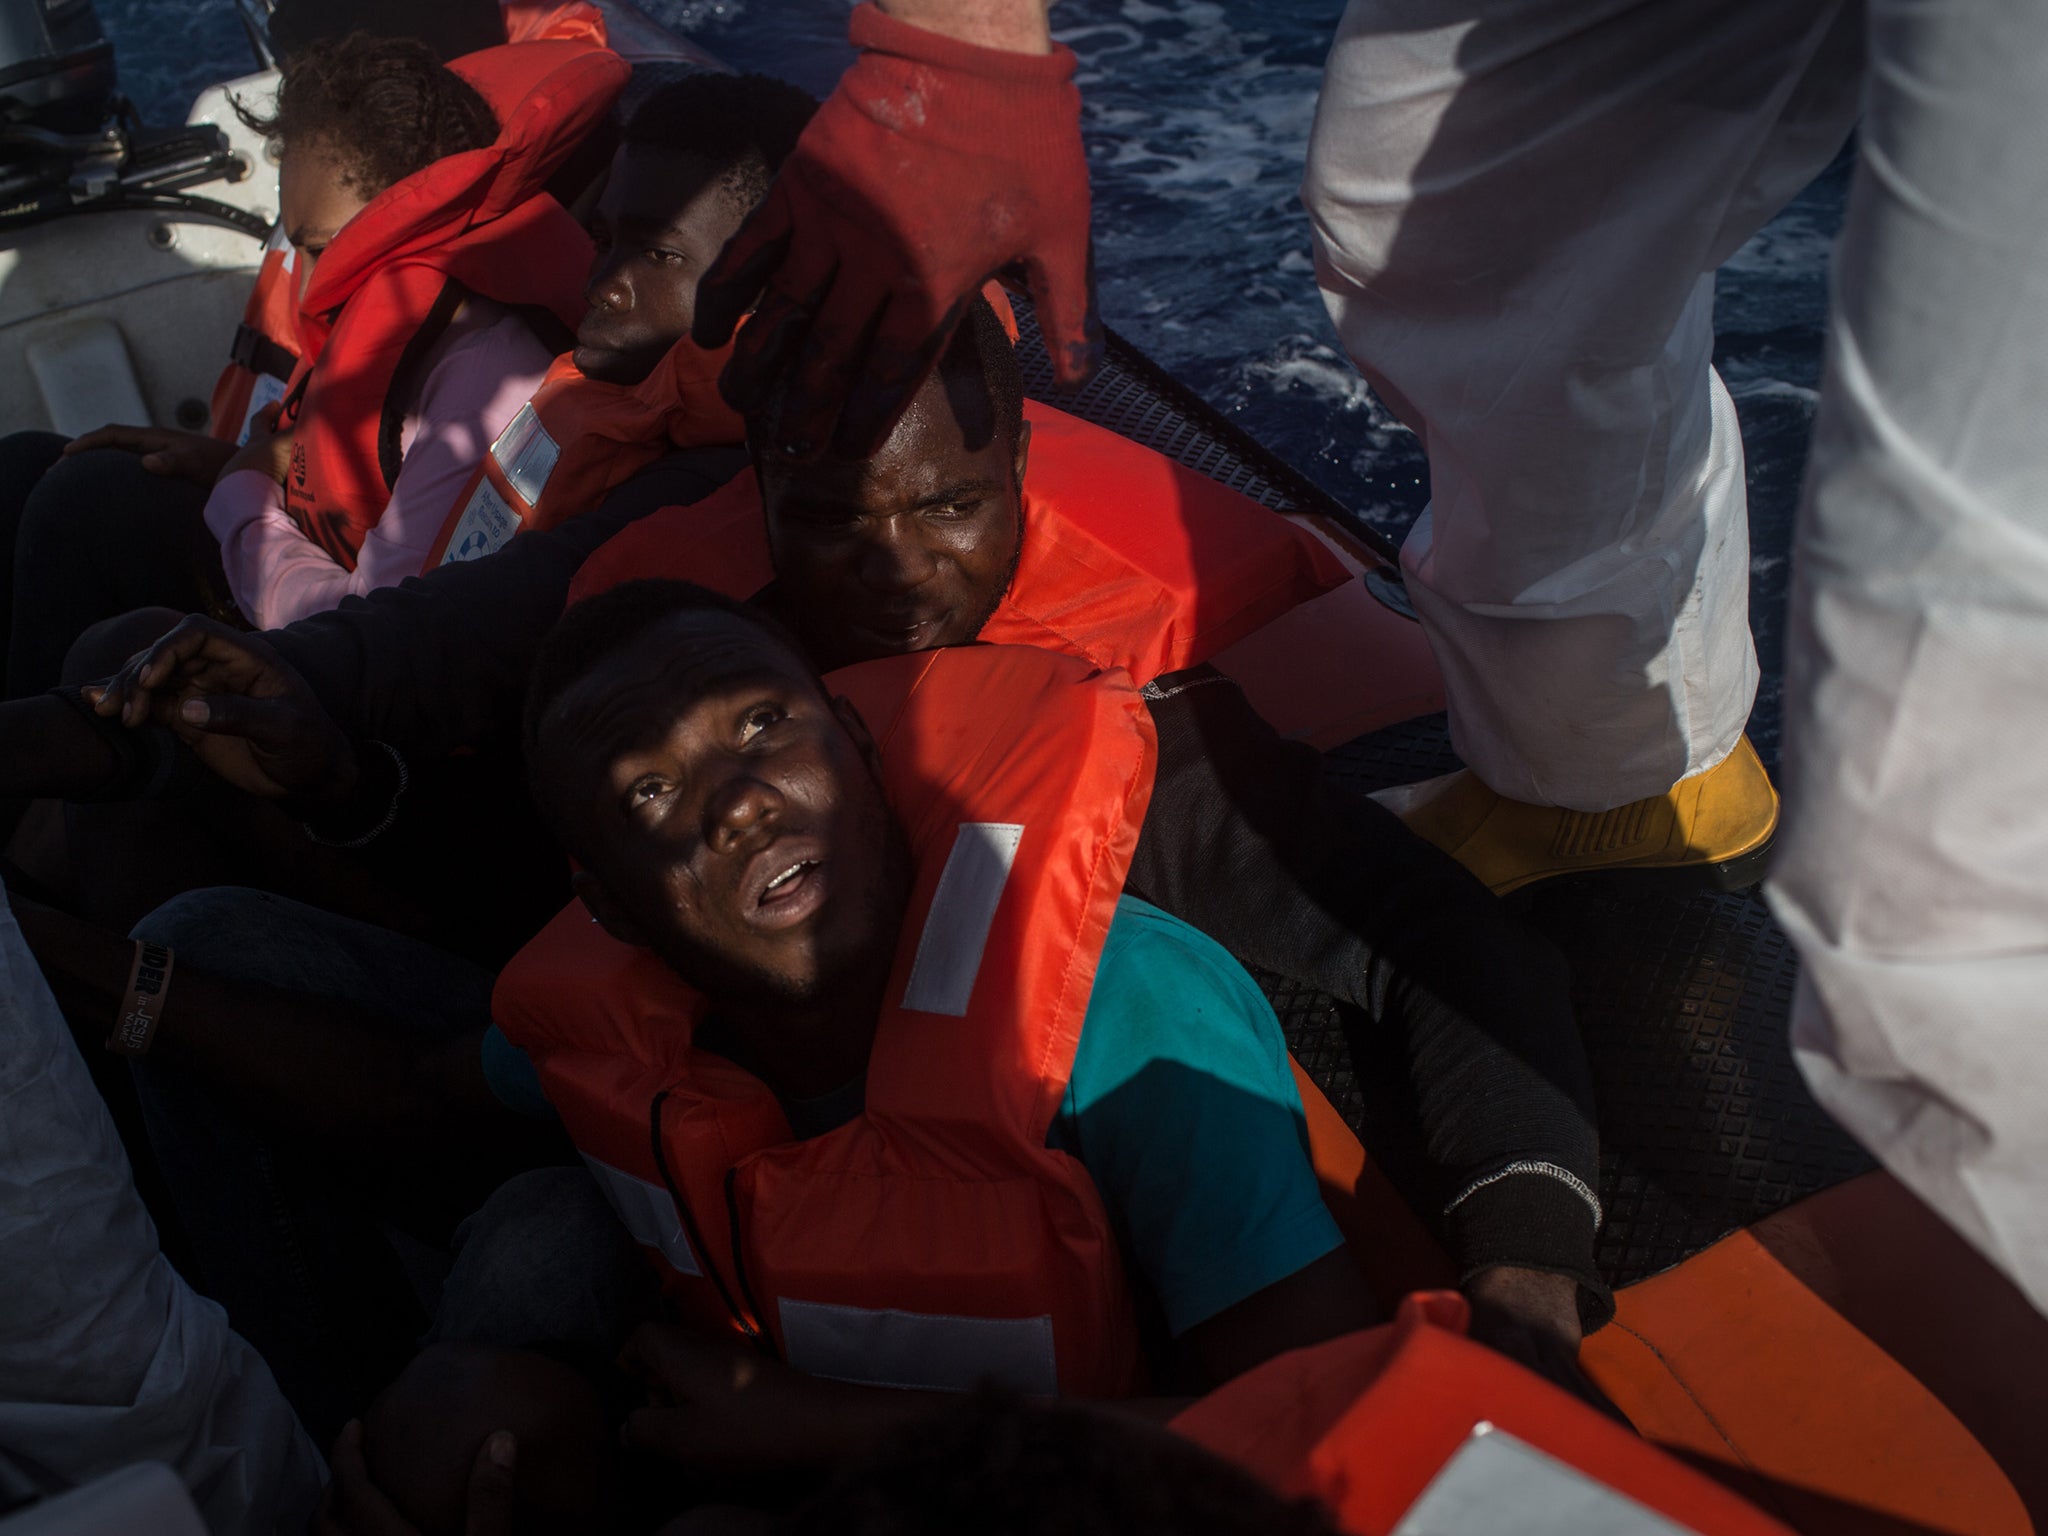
267	560
473	388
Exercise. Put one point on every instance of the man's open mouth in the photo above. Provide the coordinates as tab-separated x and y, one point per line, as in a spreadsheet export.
787	885
900	635
774	888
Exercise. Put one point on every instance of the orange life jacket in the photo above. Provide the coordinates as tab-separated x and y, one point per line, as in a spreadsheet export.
266	346
538	21
935	1238
1365	1423
1130	560
265	353
577	438
477	222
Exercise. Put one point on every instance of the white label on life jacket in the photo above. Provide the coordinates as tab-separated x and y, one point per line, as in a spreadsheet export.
647	1212
886	1348
1498	1483
526	454
487	525
963	909
267	391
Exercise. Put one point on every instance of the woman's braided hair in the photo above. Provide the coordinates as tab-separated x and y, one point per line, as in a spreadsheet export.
384	107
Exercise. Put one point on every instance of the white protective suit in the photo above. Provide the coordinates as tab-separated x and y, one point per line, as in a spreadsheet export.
1519	205
1913	870
106	1356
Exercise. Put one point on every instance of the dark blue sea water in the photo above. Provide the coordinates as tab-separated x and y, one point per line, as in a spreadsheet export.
1197	120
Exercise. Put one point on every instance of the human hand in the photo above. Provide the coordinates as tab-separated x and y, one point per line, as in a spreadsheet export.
719	1406
934	165
246	713
353	1505
165	451
1532	1317
1533	1298
267	450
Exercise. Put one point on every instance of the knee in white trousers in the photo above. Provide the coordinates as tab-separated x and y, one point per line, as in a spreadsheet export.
1518	210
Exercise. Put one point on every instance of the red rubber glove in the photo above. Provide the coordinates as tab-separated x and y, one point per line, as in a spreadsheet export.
934	165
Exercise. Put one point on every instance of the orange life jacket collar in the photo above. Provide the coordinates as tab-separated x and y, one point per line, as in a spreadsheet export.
935	1236
1130	560
580	437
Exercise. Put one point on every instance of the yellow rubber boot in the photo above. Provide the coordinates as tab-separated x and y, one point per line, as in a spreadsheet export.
1717	825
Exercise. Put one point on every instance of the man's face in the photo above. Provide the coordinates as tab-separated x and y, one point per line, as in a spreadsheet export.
727	814
663	218
905	551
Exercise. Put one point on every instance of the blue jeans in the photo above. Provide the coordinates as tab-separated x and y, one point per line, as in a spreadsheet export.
334	1277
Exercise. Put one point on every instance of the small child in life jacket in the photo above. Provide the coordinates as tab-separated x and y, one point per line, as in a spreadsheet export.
428	300
694	160
424	222
425	252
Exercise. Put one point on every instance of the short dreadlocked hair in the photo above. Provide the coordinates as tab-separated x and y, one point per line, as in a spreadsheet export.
594	632
740	127
385	107
983	382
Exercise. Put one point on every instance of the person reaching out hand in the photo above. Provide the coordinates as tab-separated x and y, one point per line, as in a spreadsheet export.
950	152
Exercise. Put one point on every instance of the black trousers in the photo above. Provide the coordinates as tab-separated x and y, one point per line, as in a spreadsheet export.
88	538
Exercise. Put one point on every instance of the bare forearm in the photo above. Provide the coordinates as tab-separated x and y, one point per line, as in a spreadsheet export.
1016	26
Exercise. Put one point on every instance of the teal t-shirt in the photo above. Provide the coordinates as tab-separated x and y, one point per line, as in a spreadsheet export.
1182	1107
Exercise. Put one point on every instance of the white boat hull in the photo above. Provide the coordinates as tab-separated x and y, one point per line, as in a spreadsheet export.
128	315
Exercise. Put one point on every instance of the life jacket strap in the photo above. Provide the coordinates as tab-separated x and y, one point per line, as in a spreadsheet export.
391	423
260	355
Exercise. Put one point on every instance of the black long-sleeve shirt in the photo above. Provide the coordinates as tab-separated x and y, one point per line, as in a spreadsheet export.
439	663
1249	839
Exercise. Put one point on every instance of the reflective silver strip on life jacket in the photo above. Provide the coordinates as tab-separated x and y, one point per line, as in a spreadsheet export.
647	1212
1496	1482
526	454
963	908
486	526
886	1348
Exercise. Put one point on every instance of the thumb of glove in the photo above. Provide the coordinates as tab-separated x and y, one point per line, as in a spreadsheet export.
1062	285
